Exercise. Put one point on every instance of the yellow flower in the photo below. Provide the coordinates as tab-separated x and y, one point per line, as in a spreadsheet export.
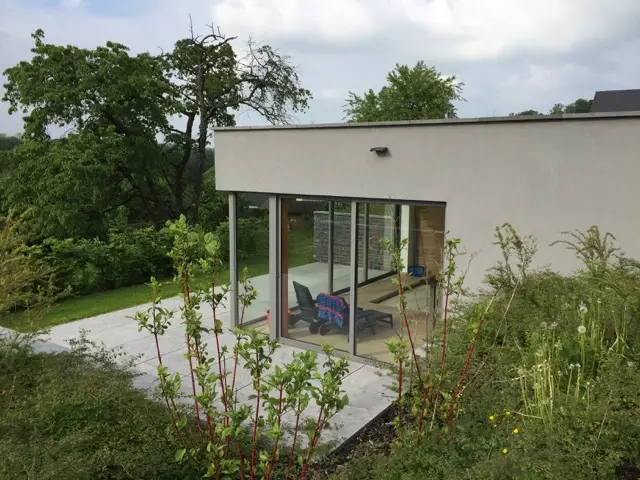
515	431
505	451
507	413
492	418
494	425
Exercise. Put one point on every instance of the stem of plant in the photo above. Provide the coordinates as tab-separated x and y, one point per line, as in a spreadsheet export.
223	386
399	380
443	356
254	439
406	324
465	369
193	387
295	438
274	452
241	457
313	444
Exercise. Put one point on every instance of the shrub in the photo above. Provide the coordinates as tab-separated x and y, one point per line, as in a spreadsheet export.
64	418
237	440
252	238
90	265
538	376
24	282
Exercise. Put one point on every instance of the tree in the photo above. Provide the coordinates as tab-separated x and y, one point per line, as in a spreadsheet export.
581	105
418	93
121	149
8	142
526	112
213	83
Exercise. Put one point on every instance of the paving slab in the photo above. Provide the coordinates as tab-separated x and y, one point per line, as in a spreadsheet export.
367	388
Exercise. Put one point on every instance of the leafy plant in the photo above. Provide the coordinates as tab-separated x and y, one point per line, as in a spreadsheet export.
226	438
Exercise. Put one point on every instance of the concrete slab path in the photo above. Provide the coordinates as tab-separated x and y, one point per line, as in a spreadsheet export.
368	387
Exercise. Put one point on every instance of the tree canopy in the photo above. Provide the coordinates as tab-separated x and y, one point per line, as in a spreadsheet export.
411	93
581	105
137	128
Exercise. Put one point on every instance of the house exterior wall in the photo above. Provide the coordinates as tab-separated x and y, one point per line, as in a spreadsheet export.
544	175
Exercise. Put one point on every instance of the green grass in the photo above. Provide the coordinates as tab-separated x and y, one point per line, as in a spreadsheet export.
76	308
62	418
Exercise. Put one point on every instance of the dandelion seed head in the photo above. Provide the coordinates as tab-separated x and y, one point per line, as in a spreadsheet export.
582	308
582	329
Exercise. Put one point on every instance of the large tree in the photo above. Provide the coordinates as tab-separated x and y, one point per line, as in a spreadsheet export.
213	83
411	93
136	127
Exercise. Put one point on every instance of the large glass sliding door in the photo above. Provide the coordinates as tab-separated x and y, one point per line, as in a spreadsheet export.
335	266
314	266
419	243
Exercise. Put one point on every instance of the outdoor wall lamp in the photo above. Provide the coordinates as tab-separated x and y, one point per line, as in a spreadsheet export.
380	151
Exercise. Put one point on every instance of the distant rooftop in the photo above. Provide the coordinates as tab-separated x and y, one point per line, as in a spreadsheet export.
616	101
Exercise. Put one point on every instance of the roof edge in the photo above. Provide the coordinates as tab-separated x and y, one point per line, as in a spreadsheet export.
447	121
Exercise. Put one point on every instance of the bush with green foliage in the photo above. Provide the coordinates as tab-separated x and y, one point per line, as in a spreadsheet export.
252	238
535	378
126	258
25	282
77	415
233	439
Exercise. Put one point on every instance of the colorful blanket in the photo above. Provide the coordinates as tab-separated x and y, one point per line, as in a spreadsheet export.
332	308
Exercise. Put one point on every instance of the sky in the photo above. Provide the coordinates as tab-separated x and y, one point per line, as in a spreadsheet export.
512	55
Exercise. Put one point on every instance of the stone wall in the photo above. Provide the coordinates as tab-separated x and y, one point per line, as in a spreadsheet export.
379	227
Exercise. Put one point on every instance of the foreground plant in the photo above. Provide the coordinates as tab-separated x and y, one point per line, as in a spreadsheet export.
220	434
427	400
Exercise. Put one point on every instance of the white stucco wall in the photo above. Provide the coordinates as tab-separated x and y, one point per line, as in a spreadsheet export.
542	175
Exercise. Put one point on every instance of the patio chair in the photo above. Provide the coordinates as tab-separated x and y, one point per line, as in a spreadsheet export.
335	310
308	308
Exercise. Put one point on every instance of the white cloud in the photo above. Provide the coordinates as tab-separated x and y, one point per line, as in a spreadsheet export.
511	54
71	3
452	29
545	78
332	93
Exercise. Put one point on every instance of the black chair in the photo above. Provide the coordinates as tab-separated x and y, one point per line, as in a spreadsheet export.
308	307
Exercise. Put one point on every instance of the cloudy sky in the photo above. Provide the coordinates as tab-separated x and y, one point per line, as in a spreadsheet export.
512	54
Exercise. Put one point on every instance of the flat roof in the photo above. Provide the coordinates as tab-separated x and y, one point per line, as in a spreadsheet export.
446	121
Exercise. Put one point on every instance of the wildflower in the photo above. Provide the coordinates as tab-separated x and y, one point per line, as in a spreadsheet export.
582	329
515	431
505	450
494	425
492	418
582	308
507	413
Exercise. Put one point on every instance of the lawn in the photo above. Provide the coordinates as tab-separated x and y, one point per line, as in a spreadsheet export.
77	308
62	418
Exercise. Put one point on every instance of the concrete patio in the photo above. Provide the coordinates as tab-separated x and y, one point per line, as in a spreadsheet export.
367	386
